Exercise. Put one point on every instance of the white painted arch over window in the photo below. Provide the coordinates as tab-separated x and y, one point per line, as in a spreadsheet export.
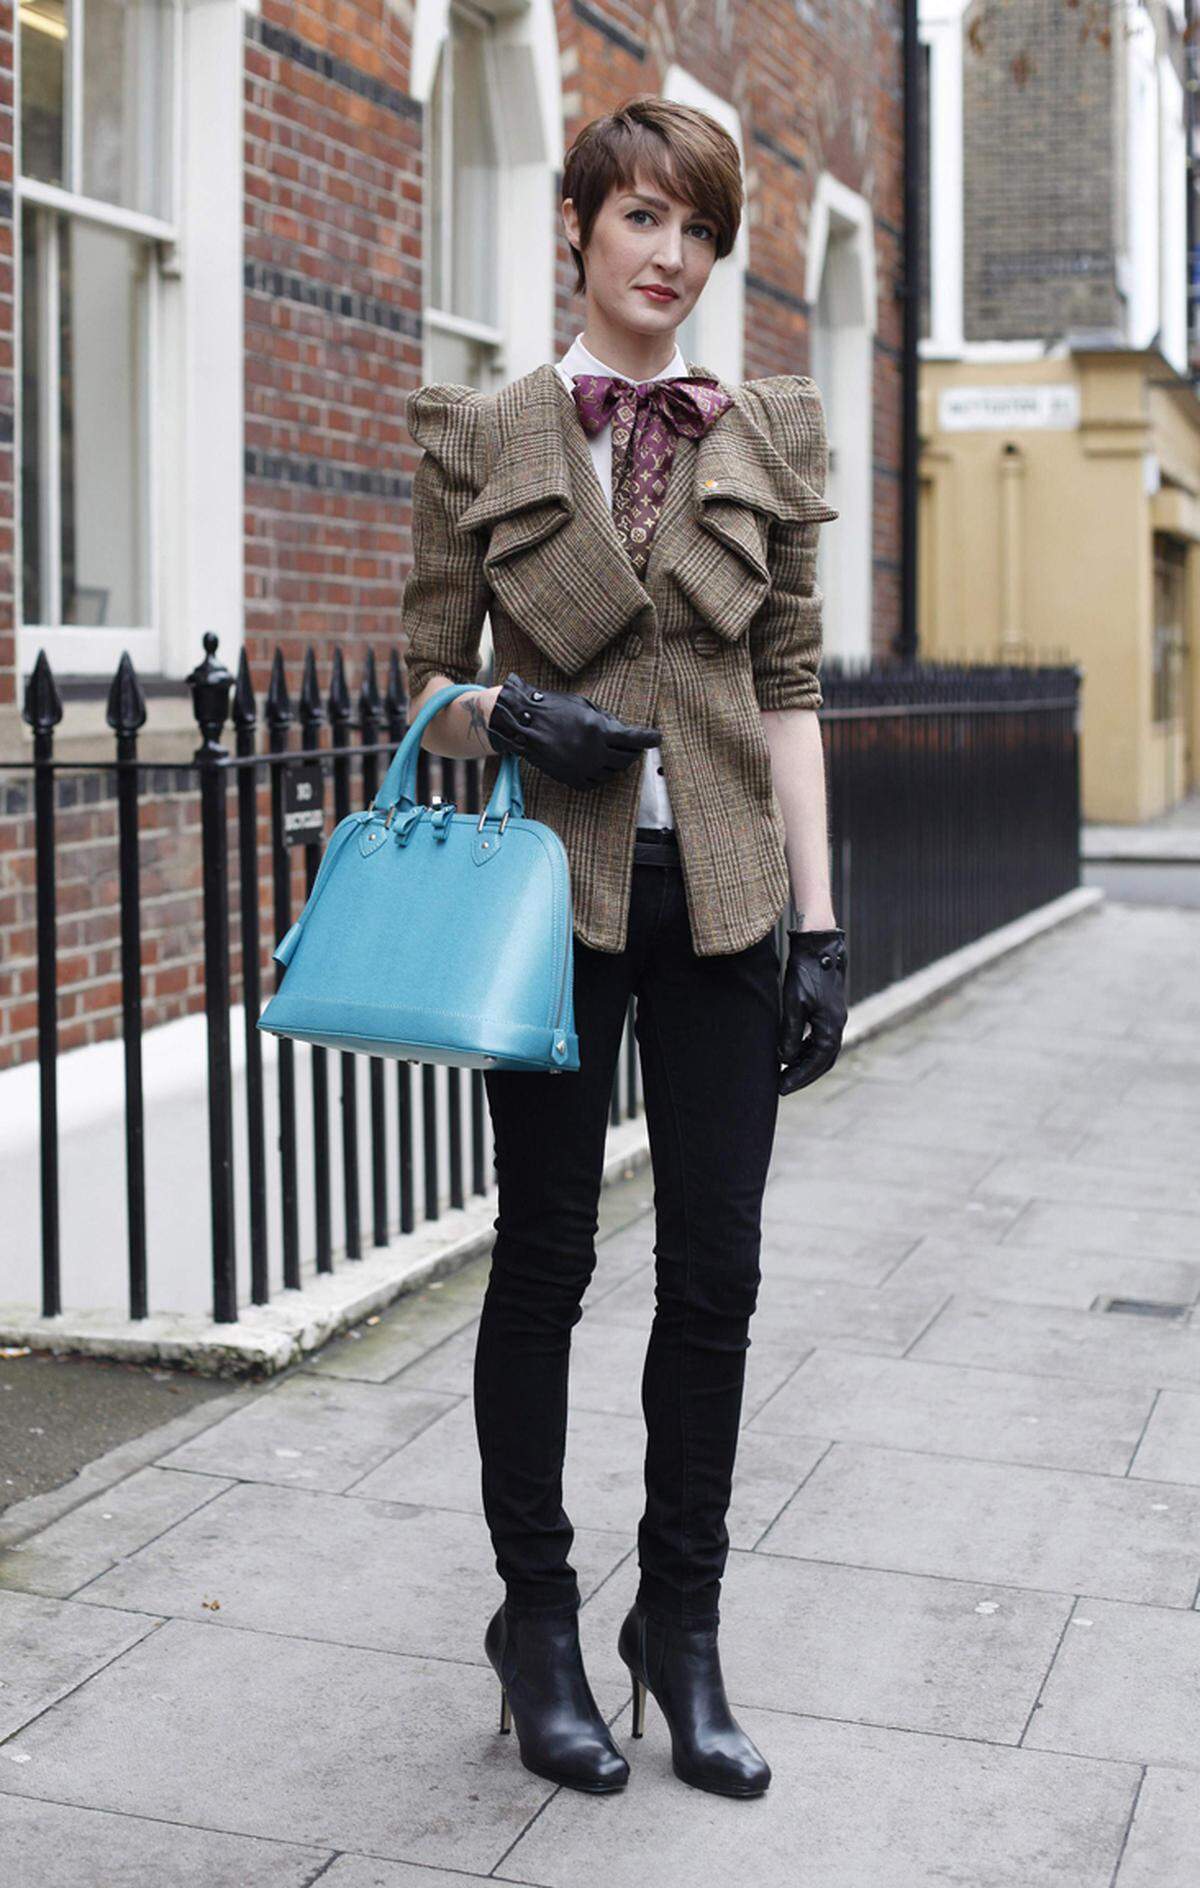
841	291
523	55
713	333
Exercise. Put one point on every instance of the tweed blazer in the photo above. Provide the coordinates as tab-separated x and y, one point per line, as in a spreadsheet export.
510	520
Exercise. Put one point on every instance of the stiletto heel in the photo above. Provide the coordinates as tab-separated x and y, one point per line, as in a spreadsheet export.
545	1696
680	1666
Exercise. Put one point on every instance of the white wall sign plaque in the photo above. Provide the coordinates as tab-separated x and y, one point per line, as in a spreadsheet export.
1006	409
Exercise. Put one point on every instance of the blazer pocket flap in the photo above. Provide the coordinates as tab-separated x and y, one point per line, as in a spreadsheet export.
517	531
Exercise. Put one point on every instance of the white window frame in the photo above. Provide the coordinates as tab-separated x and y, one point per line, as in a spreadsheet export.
1172	191
71	649
523	56
490	337
719	321
940	28
193	468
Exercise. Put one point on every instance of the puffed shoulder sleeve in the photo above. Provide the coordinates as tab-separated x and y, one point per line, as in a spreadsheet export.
445	597
785	636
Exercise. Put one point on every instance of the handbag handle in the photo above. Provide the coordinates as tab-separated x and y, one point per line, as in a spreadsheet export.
399	782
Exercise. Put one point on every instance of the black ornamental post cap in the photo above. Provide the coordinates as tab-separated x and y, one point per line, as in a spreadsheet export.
210	682
125	712
42	707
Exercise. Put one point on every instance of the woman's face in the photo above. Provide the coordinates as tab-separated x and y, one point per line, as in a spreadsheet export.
643	239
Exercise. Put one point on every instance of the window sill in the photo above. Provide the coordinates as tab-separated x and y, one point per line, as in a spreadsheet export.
170	734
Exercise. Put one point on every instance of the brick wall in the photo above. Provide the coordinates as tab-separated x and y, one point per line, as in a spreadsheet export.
333	334
89	959
1040	116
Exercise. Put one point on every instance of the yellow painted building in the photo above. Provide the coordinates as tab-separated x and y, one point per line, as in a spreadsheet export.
1060	519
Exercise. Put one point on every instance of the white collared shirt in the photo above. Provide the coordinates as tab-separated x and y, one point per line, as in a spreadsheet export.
654	807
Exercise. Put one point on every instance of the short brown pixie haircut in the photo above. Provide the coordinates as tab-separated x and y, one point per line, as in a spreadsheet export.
687	153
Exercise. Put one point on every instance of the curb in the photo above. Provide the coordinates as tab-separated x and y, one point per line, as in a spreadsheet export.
1115	845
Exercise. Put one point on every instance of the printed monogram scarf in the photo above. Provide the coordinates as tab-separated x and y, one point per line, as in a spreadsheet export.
647	418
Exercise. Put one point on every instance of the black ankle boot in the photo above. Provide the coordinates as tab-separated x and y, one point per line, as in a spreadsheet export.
681	1667
544	1690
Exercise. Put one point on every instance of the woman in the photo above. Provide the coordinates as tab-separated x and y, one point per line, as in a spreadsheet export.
644	540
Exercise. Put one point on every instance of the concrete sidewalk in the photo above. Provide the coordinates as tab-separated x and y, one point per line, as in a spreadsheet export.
960	1616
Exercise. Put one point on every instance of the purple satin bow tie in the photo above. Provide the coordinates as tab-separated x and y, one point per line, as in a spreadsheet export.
647	418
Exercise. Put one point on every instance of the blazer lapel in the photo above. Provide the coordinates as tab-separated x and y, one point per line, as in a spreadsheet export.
718	551
554	559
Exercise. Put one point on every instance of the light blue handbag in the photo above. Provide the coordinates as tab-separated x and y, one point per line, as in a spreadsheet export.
432	935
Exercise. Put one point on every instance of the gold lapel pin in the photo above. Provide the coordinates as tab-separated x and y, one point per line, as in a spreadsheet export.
709	484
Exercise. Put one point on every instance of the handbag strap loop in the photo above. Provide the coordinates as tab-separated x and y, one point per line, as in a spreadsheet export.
398	784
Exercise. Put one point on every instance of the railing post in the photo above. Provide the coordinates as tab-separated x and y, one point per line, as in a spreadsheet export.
279	721
312	714
210	683
245	721
370	714
340	722
125	714
43	711
396	709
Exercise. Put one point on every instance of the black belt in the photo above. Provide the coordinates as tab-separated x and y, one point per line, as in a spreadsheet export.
656	845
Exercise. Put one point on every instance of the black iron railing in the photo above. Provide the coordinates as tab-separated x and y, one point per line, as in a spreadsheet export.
953	805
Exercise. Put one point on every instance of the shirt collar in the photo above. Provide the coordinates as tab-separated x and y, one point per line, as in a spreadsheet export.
579	359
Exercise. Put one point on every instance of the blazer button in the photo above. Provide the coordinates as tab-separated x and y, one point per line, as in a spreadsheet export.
632	645
704	641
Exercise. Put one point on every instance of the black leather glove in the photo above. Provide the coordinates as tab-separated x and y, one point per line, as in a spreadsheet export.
567	736
814	996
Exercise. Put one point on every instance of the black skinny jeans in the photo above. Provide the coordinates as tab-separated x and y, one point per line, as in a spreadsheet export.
706	1031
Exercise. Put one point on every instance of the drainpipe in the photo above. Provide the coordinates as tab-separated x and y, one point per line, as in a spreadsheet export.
905	644
1012	627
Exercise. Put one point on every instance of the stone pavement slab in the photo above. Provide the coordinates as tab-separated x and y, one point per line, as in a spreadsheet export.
961	1614
1150	1233
61	1844
850	1806
1164	1840
1031	1527
941	1409
867	1646
1126	1684
286	1739
288	1560
602	1475
311	1432
93	1537
1170	1448
831	1312
1056	1341
49	1647
1023	1273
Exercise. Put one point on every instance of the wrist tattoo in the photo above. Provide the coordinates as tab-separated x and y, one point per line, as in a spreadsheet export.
477	722
795	917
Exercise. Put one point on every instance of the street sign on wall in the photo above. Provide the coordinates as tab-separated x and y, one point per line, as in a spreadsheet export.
1008	409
